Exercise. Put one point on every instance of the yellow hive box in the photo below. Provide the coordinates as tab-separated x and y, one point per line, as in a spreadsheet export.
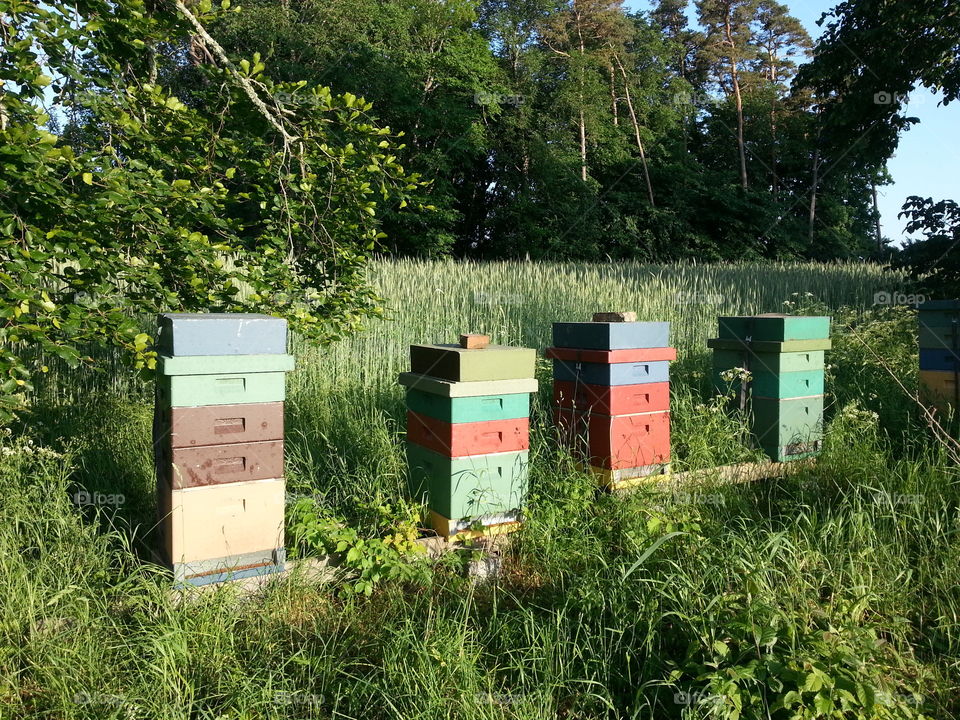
216	521
938	386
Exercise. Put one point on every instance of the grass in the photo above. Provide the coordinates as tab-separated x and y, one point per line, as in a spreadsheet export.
720	602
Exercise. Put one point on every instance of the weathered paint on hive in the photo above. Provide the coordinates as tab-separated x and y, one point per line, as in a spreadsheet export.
612	400
615	374
457	364
217	464
477	438
611	336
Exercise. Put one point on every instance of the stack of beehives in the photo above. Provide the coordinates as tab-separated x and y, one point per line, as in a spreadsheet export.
468	431
218	439
783	389
940	352
611	384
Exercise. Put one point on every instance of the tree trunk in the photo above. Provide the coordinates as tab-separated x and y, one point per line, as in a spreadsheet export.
613	99
813	194
876	215
636	131
735	80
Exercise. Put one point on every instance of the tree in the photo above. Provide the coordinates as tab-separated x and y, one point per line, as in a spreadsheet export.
729	43
241	204
934	260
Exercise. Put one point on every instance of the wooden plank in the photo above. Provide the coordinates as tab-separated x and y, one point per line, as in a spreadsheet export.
721	475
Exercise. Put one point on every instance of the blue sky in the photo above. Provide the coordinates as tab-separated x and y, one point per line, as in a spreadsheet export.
928	157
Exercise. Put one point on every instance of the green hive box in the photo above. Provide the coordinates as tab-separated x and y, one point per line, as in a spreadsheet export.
770	346
774	327
794	451
776	384
224	364
767	361
470	486
457	364
481	408
779	423
195	390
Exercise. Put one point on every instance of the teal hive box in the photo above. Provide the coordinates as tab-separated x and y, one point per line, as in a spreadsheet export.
770	346
794	451
224	364
774	327
468	486
778	423
457	364
611	336
196	390
767	361
776	384
221	334
480	408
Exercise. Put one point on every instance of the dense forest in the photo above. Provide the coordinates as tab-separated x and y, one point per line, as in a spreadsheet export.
578	129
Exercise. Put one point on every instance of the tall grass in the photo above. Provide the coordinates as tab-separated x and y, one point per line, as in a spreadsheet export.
712	603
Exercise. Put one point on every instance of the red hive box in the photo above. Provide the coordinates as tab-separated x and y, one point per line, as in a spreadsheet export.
612	400
617	442
471	438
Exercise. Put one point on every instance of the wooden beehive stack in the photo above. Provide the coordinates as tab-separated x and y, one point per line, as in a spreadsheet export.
940	352
468	432
784	393
611	390
218	443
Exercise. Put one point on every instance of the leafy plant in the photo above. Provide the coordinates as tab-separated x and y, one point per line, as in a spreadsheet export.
316	530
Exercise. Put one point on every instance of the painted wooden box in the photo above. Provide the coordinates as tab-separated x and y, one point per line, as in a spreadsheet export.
452	389
480	408
468	486
474	438
775	384
216	521
197	390
612	399
457	364
778	423
616	442
615	374
943	359
221	334
774	327
575	355
611	336
221	424
768	362
218	464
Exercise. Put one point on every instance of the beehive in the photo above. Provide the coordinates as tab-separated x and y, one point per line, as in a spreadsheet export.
468	418
939	338
611	394
784	356
218	444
